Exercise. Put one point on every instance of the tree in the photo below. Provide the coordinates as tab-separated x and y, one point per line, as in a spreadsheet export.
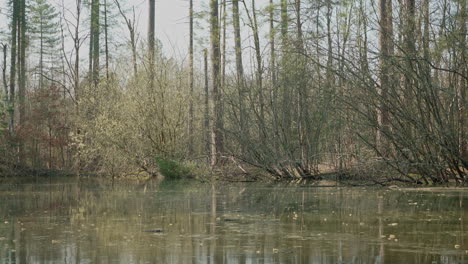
4	70
23	43
94	44
73	28
44	29
409	28
217	126
13	53
106	38
284	77
462	83
272	34
151	40
206	108
131	30
258	58
386	50
191	79
239	65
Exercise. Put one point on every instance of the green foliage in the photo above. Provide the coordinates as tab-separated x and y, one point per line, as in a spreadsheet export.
44	29
44	26
172	169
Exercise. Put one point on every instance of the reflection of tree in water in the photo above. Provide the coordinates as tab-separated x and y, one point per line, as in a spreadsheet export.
237	223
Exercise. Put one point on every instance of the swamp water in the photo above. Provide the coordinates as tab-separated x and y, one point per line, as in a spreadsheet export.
184	222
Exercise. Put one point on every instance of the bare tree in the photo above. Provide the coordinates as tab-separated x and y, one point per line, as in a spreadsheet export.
130	23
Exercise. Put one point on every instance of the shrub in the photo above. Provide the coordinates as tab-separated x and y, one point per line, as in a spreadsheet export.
172	169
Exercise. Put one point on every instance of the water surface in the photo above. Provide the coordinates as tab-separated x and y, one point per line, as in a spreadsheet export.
88	221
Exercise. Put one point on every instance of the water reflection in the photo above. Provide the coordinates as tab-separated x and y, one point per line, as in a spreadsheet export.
95	222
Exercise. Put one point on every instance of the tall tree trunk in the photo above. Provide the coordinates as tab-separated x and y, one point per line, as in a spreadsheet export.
76	44
239	64
274	87
14	50
207	108
191	110
223	55
22	74
284	77
462	84
300	41
258	56
151	41
386	50
41	55
284	22
272	44
410	50
302	92
4	69
217	127
363	42
106	39
426	50
95	40
330	78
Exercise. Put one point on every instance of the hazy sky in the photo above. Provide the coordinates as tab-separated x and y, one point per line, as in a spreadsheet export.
172	27
171	18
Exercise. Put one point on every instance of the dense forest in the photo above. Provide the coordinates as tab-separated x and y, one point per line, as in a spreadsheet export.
289	88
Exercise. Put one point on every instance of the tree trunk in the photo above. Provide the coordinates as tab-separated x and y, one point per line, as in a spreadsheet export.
14	50
426	51
191	107
217	126
300	43
41	55
386	50
273	74
4	69
22	74
223	66
239	64
302	92
76	43
363	43
259	77
410	50
330	78
462	84
272	45
285	121
106	39
151	41
95	46
207	108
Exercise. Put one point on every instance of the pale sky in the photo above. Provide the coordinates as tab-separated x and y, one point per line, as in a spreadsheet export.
171	22
171	18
